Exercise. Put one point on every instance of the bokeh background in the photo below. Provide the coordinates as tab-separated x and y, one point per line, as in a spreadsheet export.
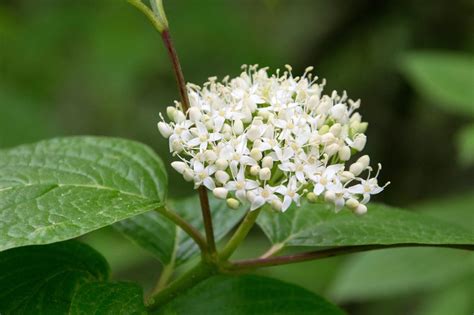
98	67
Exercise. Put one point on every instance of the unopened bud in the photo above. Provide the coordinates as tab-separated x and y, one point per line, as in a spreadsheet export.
276	204
265	173
330	196
179	166
361	209
222	177
324	129
165	129
267	162
345	153
238	127
254	169
311	196
362	127
356	168
194	114
179	116
188	175
359	142
346	176
220	192
233	203
364	160
352	203
210	155
170	111
336	129
256	154
221	164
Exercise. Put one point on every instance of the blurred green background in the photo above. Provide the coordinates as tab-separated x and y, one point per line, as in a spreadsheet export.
98	67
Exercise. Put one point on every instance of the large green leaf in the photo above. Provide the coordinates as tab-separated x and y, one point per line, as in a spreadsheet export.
446	78
43	279
319	225
168	242
465	140
62	188
225	295
456	209
400	271
108	299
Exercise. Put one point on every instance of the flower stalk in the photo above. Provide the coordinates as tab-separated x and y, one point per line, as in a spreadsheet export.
240	234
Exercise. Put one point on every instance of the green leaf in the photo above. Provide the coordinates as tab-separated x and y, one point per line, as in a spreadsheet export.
319	225
167	241
446	78
62	188
43	279
225	295
400	271
456	209
108	298
455	299
465	141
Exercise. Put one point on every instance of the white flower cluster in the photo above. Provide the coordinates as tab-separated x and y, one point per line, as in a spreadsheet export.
261	138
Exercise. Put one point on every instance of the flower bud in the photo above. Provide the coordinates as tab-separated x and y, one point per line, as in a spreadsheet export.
362	127
267	162
238	127
364	160
332	149
352	203
188	175
276	204
361	209
323	130
345	153
221	164
220	192
165	129
233	203
311	196
346	176
210	155
254	169
356	168
336	129
359	142
179	116
330	196
265	173
194	114
256	154
179	166
170	111
222	177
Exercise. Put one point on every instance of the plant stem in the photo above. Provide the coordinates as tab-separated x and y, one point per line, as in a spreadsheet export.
240	234
275	249
204	200
165	276
206	216
178	73
188	228
319	254
194	276
148	13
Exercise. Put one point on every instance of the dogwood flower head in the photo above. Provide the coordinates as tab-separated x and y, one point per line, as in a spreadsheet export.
274	139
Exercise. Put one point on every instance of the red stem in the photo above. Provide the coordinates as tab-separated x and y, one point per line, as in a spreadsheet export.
205	208
319	254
